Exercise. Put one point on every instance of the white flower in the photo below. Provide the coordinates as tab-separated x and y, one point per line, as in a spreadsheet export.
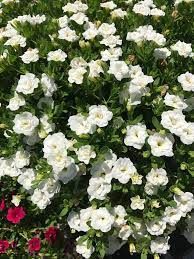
83	249
187	133
80	124
85	217
150	189
118	13
16	102
119	213
102	170
111	54
8	167
157	177
161	145
73	220
98	188
185	202
6	2
31	55
175	101
63	21
110	158
141	8
76	75
79	18
146	33
27	83
111	41
58	160
9	31
21	159
4	54
85	153
157	12
136	136
123	170
75	7
25	123
40	199
99	115
159	245
78	62
48	85
184	49
15	41
119	69
67	174
91	31
57	55
46	126
161	53
139	82
95	68
33	20
26	178
49	186
125	232
106	29
156	227
137	203
173	120
108	5
55	147
136	179
16	200
187	81
102	220
67	34
136	71
172	215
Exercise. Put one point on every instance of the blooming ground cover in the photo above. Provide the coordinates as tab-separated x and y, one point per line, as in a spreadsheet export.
96	126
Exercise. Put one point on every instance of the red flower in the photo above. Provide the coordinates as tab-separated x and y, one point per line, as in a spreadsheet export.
4	245
51	234
14	215
34	244
2	205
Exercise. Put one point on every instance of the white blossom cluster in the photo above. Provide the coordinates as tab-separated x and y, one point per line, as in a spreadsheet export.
147	7
146	33
89	90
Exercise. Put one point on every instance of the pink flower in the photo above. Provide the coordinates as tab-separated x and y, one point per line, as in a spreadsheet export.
34	244
4	245
51	234
15	215
2	205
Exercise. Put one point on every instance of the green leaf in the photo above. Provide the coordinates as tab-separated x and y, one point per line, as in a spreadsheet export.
156	123
82	239
144	256
64	211
136	120
191	172
102	251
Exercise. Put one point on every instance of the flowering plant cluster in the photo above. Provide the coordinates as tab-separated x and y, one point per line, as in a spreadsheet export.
96	125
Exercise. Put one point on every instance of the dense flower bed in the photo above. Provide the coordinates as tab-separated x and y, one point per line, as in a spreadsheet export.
97	126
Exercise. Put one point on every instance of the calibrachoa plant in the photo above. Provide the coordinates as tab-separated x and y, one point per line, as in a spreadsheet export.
96	126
